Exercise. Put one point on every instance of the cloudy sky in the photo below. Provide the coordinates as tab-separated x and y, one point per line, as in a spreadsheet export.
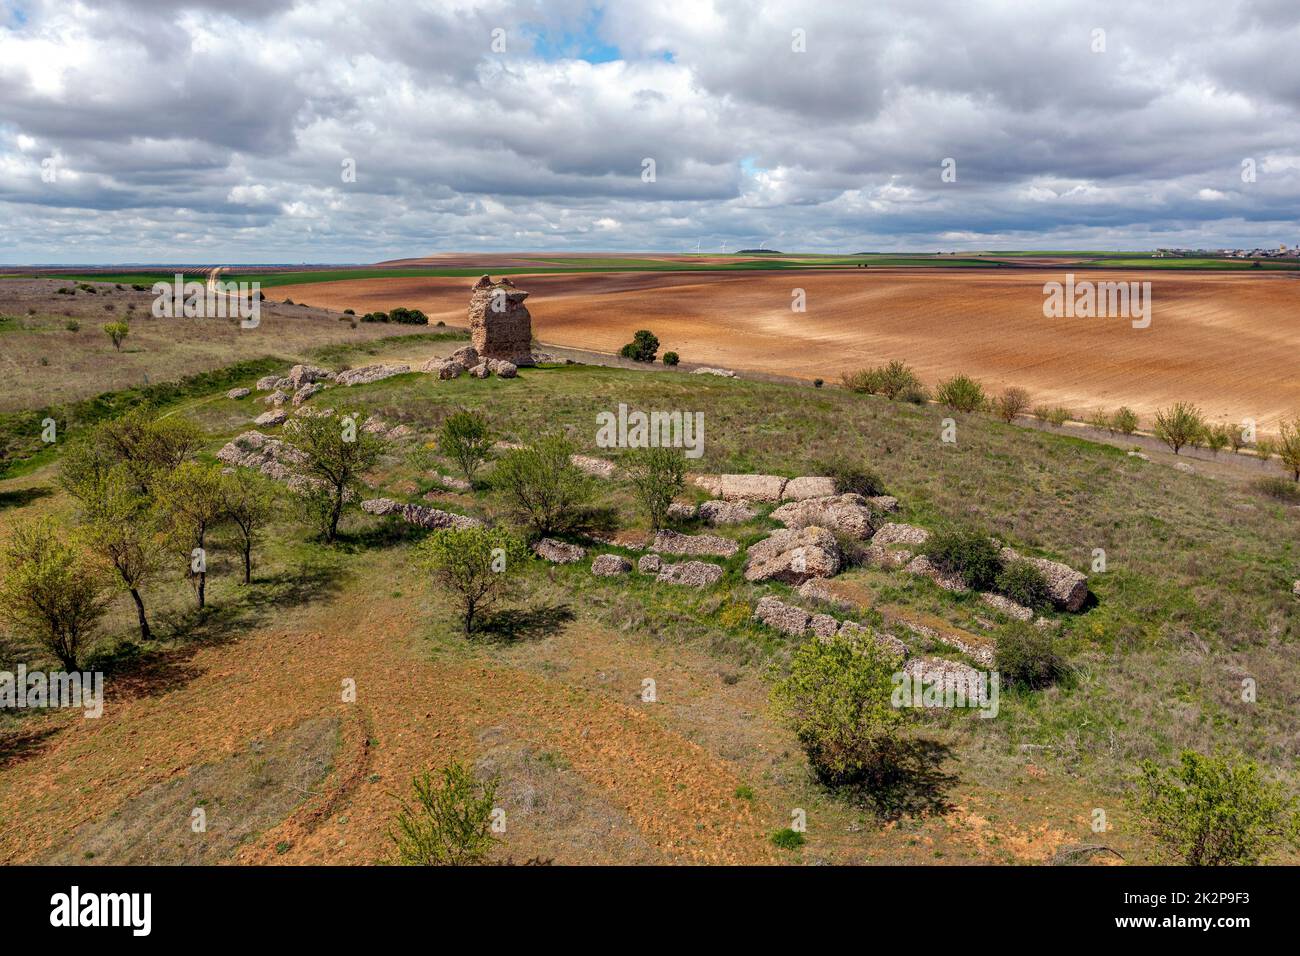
143	130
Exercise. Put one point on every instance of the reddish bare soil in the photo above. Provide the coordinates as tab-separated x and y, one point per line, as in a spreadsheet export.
1225	341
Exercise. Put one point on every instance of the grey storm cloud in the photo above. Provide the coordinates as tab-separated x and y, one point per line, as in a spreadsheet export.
218	130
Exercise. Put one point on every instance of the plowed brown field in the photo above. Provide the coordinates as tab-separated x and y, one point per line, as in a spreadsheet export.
1227	342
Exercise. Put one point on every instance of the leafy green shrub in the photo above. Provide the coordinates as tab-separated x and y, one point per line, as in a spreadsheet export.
787	839
1125	420
895	379
52	589
962	393
1012	403
117	333
658	475
818	382
1024	584
671	358
451	824
864	381
642	348
967	552
1025	656
1217	438
72	325
541	486
375	317
472	564
1288	447
1179	425
466	439
1214	811
404	316
851	478
837	700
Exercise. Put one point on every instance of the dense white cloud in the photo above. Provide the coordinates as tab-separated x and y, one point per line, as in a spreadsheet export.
221	130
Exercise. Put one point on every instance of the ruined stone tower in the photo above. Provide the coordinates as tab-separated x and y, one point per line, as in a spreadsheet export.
499	323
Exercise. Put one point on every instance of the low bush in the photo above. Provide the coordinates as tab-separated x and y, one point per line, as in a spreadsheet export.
1024	584
450	824
1125	420
1011	403
1179	425
671	358
851	478
837	700
1026	657
1214	811
962	393
643	347
967	552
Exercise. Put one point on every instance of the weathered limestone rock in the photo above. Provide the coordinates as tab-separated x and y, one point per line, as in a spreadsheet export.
649	564
1067	588
499	324
503	369
797	489
443	368
480	370
823	625
1007	606
950	675
741	487
276	398
266	383
891	559
726	512
306	392
672	542
467	356
894	533
275	416
696	574
419	514
238	392
596	467
610	565
794	556
706	370
947	580
848	514
856	632
681	511
883	504
786	618
301	375
559	552
370	373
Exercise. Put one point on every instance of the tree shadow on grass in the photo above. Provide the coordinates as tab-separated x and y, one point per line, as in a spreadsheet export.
20	744
512	625
21	497
224	620
915	783
384	534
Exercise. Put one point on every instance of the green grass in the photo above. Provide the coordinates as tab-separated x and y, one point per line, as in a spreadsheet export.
1197	595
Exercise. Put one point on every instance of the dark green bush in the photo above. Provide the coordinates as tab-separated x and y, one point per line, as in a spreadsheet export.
851	478
643	347
671	358
1024	584
1026	657
967	552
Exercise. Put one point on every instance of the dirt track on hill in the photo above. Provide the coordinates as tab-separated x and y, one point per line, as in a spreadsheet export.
1228	342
